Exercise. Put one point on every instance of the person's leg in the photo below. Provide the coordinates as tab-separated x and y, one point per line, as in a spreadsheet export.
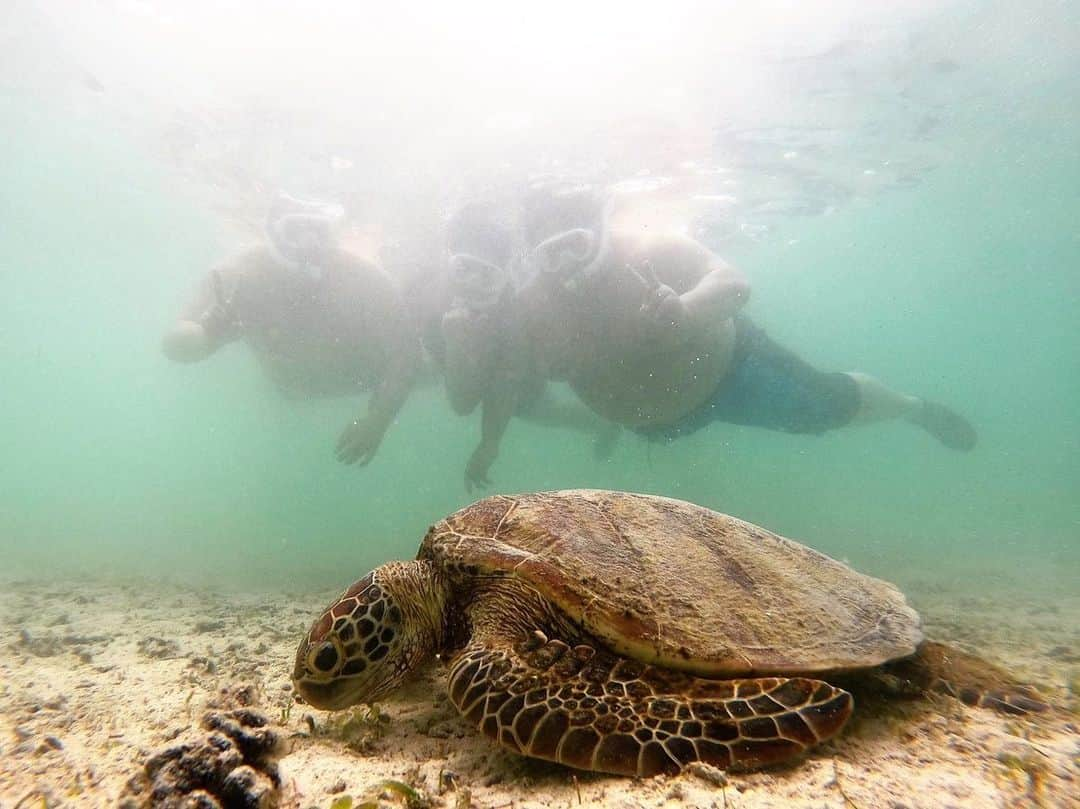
551	411
880	403
773	387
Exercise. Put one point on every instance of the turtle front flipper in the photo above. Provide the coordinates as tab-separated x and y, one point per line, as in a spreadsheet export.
968	678
592	710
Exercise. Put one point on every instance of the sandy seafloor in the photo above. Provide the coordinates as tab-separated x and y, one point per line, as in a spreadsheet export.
96	676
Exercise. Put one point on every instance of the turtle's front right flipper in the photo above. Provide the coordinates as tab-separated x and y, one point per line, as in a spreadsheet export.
968	678
592	710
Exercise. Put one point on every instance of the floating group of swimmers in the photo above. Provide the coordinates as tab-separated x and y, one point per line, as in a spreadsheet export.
646	328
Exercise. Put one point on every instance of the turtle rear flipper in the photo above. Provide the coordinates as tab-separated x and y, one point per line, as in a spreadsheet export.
592	710
966	677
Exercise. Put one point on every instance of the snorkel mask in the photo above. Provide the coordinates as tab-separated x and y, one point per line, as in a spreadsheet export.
565	256
576	220
480	244
302	232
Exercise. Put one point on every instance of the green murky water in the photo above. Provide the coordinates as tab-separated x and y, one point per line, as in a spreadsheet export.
963	287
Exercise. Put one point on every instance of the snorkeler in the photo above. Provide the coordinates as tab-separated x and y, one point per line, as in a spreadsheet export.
648	331
321	321
474	343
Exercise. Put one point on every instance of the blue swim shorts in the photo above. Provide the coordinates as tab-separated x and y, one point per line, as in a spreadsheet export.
769	386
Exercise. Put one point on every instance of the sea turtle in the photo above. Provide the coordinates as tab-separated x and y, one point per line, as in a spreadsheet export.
630	634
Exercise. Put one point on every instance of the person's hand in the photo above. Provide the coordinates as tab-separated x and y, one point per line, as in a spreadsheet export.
662	304
219	322
461	325
477	283
665	306
476	469
455	325
360	441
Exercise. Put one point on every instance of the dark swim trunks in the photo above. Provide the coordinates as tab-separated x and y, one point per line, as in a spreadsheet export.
769	386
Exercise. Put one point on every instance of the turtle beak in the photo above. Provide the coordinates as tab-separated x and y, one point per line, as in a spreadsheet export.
329	696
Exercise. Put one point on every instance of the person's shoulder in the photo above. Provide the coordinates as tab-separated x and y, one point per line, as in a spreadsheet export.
353	260
674	241
363	268
648	244
253	259
680	251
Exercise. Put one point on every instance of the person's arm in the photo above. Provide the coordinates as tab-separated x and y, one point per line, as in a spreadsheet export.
360	440
509	375
207	323
499	404
689	286
719	295
469	347
397	380
187	341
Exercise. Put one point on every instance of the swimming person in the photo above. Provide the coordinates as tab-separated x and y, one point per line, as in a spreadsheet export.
321	321
475	344
648	331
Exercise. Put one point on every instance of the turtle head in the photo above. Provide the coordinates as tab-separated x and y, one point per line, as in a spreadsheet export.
366	643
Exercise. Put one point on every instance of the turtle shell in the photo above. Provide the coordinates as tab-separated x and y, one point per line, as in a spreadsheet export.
668	582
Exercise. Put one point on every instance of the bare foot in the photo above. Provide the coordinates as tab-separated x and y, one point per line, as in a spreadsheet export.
946	425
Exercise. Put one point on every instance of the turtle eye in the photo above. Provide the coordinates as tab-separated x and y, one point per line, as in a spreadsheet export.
325	658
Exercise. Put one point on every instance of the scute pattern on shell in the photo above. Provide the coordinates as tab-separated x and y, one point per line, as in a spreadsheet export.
669	582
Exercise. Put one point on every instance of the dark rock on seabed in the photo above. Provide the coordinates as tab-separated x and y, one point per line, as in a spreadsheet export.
231	767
